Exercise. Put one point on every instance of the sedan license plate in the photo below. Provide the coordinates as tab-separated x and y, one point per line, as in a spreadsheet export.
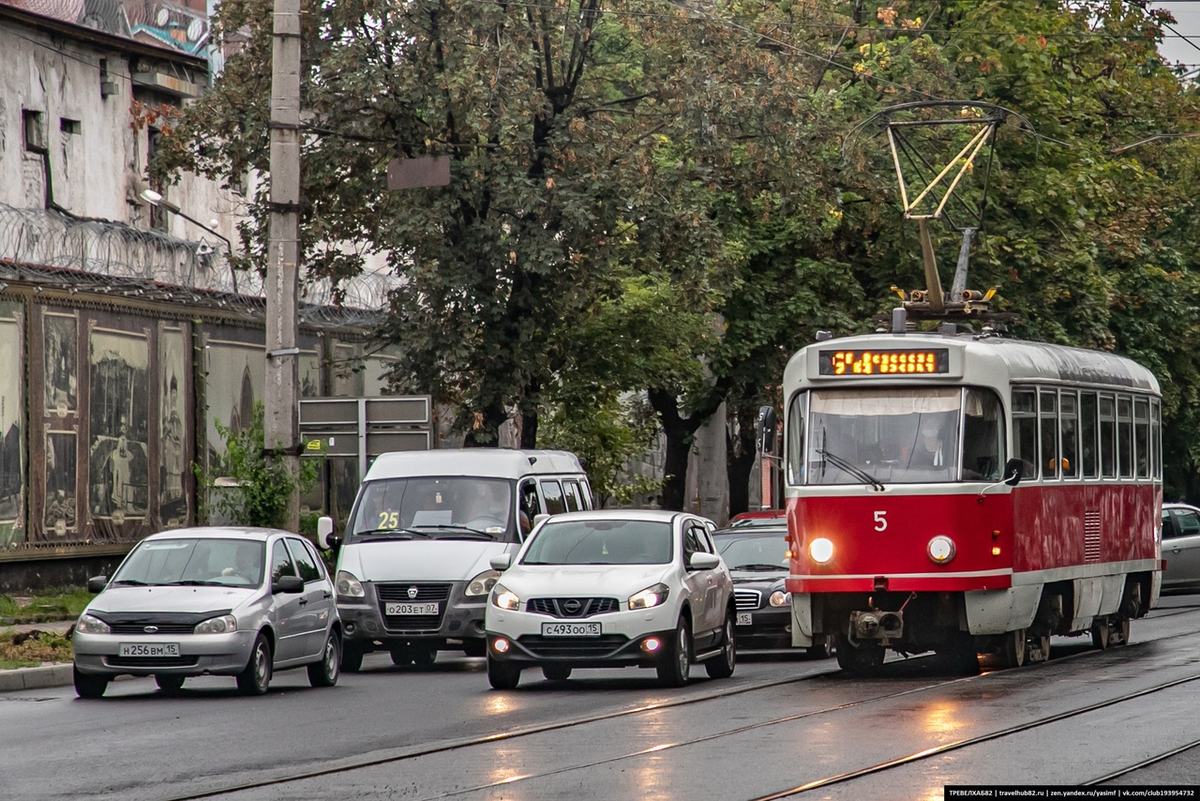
570	629
149	649
410	609
744	619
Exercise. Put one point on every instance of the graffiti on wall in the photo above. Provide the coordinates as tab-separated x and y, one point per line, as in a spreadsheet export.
12	475
118	413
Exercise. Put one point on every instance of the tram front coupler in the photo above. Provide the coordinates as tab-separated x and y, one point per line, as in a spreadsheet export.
876	624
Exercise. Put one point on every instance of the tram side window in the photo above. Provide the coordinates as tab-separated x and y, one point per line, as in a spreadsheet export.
1108	436
1141	437
1156	437
1068	416
795	439
1088	433
1125	435
983	435
1025	431
1048	403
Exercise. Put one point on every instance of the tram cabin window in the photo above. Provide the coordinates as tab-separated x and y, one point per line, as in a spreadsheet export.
983	435
1108	436
1141	436
1069	420
1025	431
1125	435
1048	405
1156	437
795	439
1089	427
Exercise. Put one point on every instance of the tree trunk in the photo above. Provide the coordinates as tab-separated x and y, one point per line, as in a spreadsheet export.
679	432
740	462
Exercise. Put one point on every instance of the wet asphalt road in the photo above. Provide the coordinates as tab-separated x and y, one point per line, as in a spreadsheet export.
781	723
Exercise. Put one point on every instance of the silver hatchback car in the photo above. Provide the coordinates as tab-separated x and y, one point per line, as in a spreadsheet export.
241	602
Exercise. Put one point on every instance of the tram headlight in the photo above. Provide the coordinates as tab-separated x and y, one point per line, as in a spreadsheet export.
940	549
821	550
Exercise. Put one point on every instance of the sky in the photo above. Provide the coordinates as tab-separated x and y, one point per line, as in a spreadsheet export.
1175	48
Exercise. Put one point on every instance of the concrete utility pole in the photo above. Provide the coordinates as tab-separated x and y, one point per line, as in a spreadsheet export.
282	284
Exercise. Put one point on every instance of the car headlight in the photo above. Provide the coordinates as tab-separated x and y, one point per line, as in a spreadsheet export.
940	549
348	586
651	596
91	625
224	624
780	598
821	550
483	583
505	598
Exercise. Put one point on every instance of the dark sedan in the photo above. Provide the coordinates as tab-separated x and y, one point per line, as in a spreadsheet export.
757	560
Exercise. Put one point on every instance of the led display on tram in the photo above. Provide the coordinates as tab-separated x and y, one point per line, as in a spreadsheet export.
883	362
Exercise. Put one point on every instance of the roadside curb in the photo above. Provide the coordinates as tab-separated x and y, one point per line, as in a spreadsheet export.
59	674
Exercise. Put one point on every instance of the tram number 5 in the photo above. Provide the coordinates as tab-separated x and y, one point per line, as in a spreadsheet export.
880	521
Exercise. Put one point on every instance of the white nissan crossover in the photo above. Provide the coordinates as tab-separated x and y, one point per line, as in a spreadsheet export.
611	589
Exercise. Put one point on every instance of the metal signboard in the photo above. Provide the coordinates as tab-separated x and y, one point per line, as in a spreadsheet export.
366	427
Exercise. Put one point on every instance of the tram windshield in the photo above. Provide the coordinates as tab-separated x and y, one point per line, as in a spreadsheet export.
895	436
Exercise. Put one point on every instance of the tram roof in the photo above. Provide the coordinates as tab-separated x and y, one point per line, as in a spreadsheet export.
994	357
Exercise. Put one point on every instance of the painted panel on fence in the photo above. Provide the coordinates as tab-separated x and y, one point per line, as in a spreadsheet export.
118	413
172	369
60	344
236	378
12	475
59	515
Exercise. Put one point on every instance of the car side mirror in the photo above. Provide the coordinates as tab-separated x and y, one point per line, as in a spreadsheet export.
537	519
325	534
97	583
1012	472
702	560
287	584
501	561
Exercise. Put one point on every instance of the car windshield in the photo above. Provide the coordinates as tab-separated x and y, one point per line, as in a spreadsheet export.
193	561
454	507
600	542
763	553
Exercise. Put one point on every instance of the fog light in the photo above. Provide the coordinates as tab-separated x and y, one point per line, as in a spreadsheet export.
500	645
651	644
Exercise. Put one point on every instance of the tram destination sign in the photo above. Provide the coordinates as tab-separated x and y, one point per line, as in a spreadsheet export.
883	362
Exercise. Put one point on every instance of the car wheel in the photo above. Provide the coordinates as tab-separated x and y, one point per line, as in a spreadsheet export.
352	657
256	677
88	685
502	675
424	656
169	684
325	673
675	668
721	666
556	672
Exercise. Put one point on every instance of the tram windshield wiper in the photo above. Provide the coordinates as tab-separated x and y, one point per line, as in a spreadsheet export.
851	468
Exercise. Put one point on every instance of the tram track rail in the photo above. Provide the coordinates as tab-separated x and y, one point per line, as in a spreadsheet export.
347	766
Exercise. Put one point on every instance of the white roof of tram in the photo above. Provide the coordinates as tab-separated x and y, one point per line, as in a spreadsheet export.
989	361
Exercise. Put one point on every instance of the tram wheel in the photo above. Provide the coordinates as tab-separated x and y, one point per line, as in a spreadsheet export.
861	660
1039	649
1100	634
1014	651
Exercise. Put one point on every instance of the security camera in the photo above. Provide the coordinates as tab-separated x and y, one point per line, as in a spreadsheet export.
204	249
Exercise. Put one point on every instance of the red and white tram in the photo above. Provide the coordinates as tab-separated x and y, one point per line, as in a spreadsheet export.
968	493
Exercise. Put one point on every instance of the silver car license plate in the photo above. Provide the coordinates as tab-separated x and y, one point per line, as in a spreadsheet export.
570	629
149	649
410	609
744	619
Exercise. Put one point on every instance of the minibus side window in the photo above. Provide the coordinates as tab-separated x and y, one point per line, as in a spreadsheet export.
571	494
553	496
